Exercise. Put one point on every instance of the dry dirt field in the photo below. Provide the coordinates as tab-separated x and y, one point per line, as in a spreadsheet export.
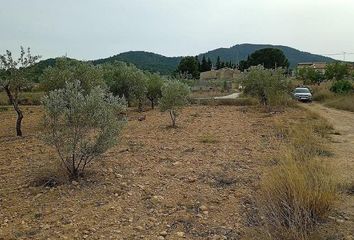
197	181
158	182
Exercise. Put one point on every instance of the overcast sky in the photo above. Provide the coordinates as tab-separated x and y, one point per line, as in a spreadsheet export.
90	29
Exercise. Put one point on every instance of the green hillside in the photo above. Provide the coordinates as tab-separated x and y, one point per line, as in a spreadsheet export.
166	65
241	51
145	60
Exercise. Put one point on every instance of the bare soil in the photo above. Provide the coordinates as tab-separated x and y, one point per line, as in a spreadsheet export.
197	181
157	183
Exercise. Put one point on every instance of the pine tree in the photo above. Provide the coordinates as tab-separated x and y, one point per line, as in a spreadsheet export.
218	63
204	66
210	64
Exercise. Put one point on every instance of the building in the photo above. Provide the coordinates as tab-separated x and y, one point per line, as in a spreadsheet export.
221	74
318	66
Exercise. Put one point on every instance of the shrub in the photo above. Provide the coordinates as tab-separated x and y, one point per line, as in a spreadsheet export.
81	127
125	80
342	87
174	97
154	85
322	93
69	70
269	86
300	191
337	71
295	196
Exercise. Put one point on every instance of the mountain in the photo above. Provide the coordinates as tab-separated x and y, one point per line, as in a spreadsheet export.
166	65
241	52
145	60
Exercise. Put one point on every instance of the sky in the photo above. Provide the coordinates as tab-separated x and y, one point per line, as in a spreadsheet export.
91	29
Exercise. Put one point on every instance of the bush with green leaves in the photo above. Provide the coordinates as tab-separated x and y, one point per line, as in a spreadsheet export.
310	75
68	70
342	87
154	87
81	126
270	87
174	97
337	71
125	80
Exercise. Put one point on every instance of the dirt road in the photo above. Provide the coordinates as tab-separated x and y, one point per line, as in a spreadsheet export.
343	149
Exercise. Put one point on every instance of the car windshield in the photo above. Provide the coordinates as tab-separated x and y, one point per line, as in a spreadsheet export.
302	90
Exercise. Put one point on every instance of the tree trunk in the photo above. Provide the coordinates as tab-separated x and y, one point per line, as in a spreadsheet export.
152	104
18	121
173	118
140	106
14	103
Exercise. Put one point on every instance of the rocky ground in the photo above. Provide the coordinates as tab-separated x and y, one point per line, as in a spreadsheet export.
197	181
191	182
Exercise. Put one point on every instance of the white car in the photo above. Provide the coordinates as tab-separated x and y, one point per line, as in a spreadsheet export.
302	94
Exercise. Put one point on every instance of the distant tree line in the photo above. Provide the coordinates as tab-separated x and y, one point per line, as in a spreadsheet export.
191	67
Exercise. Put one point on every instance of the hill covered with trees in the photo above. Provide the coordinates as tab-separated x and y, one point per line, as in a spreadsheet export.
166	65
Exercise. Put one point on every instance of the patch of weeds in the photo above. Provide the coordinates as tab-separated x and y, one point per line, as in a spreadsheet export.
4	109
195	115
208	139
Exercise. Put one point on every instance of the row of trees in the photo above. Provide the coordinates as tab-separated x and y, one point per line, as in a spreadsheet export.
84	108
81	125
191	67
269	58
336	71
121	79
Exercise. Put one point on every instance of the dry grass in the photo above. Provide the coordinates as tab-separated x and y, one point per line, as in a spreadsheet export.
342	103
298	192
296	196
244	101
208	138
322	93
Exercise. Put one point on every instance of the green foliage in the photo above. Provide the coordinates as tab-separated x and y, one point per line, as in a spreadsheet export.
269	58
269	86
310	75
337	71
81	126
205	65
154	86
127	81
189	66
145	61
174	97
67	70
342	87
14	78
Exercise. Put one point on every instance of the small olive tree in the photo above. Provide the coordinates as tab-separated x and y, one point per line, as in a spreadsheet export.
81	126
14	78
268	85
154	85
174	97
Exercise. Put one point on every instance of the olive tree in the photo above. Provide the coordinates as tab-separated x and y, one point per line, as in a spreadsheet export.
66	70
126	80
14	78
268	85
154	86
81	126
174	97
